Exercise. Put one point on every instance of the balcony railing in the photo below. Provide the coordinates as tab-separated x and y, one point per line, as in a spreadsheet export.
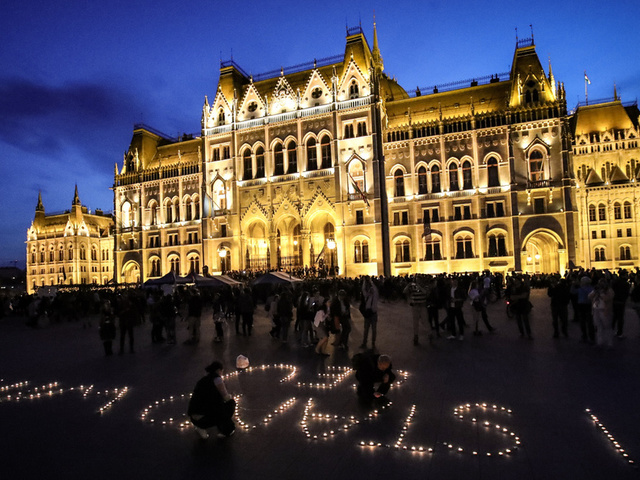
354	103
538	184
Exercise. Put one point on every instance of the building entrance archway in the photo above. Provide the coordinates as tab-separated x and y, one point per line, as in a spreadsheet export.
131	273
543	253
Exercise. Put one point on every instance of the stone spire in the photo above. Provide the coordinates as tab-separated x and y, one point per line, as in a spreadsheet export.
39	206
377	57
615	92
552	79
76	198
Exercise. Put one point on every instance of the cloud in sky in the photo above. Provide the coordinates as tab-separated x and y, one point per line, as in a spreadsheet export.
76	76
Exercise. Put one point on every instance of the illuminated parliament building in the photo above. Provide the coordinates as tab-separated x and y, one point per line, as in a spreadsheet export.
334	163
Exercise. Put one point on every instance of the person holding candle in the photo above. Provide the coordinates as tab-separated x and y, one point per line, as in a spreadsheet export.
372	370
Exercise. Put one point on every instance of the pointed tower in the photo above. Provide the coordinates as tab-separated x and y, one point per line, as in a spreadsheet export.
39	218
76	197
39	206
377	57
552	80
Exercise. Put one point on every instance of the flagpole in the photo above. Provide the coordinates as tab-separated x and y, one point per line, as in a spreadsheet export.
586	82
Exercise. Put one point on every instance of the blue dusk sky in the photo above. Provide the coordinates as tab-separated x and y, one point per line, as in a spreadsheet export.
77	75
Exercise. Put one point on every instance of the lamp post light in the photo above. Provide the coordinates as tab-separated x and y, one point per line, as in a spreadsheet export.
331	245
223	259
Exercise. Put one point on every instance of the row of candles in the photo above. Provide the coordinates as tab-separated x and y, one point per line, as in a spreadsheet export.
22	391
610	437
459	412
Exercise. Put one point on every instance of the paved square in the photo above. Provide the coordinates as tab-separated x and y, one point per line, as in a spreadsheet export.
494	406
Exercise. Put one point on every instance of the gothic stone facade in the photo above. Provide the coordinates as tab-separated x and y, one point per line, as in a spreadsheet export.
74	247
336	164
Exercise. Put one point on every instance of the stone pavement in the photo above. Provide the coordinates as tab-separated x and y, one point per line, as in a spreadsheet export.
541	389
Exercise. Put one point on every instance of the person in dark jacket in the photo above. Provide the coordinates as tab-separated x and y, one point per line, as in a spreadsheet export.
371	370
107	328
211	405
560	293
194	312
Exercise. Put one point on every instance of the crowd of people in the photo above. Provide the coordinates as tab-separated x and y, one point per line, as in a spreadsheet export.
317	310
317	313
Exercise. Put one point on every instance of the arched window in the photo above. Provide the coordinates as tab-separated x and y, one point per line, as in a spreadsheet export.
325	151
51	255
292	157
153	214
174	263
627	210
403	250
126	215
60	254
536	166
531	94
625	253
187	209
464	246
70	255
278	160
365	251
168	210
196	208
83	253
497	246
362	129
492	172
361	251
353	90
194	264
260	162
398	181
176	210
617	211
453	178
348	131
221	119
435	179
246	165
432	248
467	183
592	213
422	181
42	255
599	254
155	267
219	195
312	155
357	252
602	212
94	253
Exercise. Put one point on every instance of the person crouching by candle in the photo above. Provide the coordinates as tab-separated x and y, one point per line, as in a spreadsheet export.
211	405
371	370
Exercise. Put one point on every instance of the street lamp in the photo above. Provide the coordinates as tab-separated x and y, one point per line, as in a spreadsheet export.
331	245
223	255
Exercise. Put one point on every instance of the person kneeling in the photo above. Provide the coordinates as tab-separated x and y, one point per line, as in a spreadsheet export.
211	405
372	370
